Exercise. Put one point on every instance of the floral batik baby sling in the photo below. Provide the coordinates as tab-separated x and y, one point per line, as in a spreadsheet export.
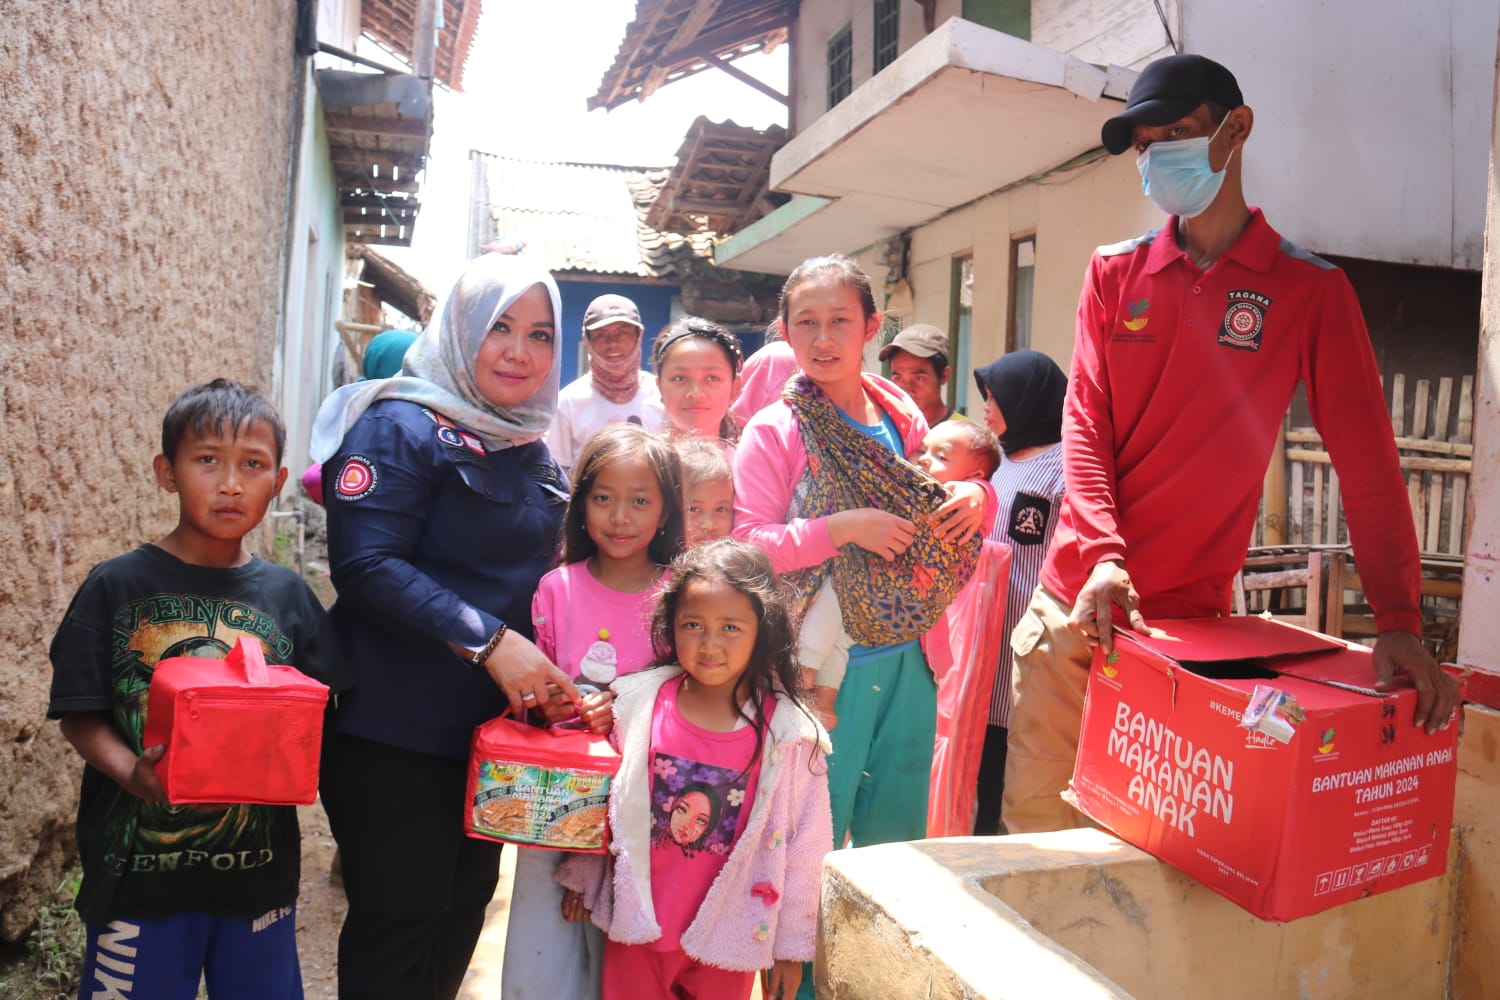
882	602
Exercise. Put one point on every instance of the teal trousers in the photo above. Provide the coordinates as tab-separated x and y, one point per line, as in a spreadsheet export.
880	770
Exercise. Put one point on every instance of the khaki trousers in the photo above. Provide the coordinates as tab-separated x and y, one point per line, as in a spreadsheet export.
1047	685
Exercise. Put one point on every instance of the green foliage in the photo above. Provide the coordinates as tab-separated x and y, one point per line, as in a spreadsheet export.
284	548
46	965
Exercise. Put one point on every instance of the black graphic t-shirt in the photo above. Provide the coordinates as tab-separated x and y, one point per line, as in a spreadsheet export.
145	860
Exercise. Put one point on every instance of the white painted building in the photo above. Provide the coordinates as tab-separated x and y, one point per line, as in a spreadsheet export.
924	129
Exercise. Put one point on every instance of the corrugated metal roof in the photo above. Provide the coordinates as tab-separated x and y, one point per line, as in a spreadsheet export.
587	217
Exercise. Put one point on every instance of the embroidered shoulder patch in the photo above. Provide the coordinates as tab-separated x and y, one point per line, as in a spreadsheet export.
1244	320
1028	519
357	479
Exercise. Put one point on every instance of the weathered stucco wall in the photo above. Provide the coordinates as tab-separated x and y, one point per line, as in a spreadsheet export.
144	150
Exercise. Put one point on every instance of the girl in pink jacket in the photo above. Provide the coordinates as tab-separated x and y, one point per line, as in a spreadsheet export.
719	815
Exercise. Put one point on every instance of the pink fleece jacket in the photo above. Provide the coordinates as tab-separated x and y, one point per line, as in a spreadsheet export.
769	463
763	906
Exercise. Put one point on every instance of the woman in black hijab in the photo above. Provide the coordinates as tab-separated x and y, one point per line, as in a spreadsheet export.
1023	404
1023	400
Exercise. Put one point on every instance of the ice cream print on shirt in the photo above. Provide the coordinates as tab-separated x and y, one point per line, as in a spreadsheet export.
1028	519
695	807
598	668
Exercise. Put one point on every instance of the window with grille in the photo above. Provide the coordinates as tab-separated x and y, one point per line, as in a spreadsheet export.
840	65
887	32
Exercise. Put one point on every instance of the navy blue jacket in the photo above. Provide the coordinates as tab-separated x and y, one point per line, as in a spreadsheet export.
431	540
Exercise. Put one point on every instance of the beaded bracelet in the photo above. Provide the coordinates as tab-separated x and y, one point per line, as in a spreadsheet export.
484	653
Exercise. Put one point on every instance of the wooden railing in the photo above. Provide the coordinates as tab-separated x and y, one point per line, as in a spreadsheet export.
1301	544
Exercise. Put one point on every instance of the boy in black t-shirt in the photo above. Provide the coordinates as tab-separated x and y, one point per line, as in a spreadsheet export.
174	893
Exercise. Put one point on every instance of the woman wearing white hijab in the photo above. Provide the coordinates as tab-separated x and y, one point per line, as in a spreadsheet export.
443	513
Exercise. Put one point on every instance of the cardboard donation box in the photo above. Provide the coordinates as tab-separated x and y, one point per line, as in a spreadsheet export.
237	729
1258	758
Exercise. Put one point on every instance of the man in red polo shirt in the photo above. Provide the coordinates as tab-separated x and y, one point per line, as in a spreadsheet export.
1190	343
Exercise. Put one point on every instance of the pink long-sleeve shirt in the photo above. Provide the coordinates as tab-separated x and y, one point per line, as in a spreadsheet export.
770	461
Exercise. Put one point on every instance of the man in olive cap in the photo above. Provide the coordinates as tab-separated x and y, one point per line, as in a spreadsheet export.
1190	343
918	357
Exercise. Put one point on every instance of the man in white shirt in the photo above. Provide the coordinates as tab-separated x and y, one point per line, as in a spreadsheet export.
615	387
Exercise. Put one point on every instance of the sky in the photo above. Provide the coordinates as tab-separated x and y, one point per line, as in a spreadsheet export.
531	70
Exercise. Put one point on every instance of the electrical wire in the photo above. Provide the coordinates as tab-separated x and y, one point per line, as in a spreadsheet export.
1162	16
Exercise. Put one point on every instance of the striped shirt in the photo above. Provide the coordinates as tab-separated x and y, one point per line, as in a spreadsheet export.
1029	493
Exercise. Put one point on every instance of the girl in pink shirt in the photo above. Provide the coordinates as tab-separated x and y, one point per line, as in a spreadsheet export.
719	814
592	618
697	365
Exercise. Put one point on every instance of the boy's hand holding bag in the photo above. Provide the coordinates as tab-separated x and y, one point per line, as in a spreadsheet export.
237	730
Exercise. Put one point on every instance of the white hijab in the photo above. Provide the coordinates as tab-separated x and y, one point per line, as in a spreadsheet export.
439	368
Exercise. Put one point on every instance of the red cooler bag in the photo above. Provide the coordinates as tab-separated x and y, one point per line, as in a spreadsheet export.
237	730
540	787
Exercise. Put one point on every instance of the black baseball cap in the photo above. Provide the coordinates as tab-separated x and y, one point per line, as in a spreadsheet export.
1167	90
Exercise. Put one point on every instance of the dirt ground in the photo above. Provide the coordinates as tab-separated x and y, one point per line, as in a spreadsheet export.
320	912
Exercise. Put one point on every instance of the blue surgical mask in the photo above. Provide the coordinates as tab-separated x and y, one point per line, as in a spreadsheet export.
1176	175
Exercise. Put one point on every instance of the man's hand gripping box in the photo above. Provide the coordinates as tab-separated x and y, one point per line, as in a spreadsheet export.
1258	758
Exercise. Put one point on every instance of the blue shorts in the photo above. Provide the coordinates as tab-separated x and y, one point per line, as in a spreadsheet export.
240	958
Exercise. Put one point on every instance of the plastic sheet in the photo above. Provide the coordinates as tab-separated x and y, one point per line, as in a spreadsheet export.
964	653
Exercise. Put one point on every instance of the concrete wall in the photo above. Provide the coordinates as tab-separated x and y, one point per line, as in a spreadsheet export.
1328	82
314	288
145	149
338	23
1320	160
819	20
1122	32
1479	638
1080	914
1070	214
